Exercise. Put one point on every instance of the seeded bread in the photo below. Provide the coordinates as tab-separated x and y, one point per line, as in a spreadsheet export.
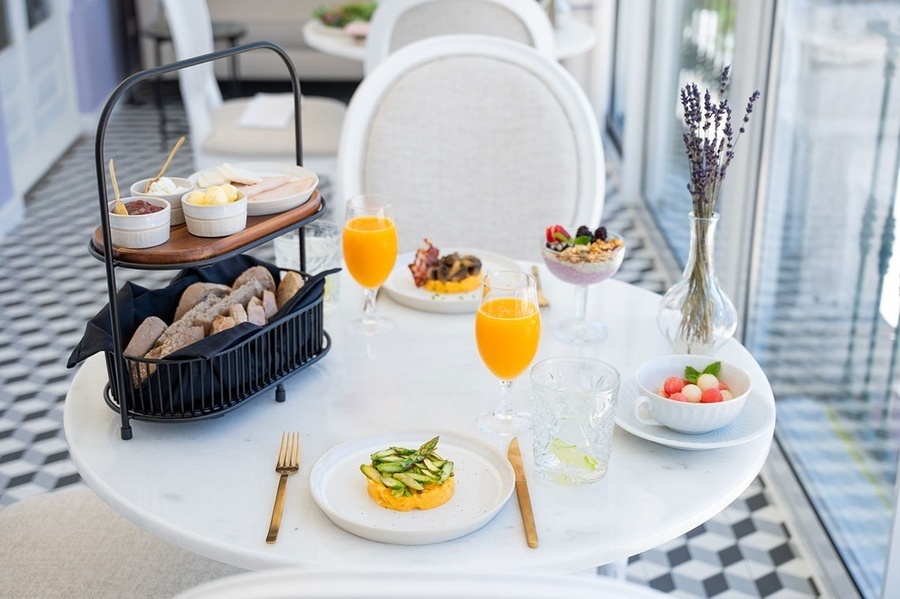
196	293
175	342
204	313
145	337
260	274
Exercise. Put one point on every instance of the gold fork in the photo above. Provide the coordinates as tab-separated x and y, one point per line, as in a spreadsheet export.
288	463
543	302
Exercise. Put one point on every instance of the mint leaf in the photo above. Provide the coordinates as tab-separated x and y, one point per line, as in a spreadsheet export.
713	369
560	237
582	240
691	374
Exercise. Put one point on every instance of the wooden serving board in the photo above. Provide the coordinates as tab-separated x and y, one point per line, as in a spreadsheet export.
183	248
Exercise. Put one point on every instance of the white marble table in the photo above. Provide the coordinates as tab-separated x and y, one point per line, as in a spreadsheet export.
208	486
573	37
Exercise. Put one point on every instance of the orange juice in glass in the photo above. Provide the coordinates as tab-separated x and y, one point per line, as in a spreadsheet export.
507	333
370	250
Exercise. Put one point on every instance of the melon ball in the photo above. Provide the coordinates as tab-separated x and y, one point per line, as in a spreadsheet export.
711	395
726	395
707	381
693	393
673	384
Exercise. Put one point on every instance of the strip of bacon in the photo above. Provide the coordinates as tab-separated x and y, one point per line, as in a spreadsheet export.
426	259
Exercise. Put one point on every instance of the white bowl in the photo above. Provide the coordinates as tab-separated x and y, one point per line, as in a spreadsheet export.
184	186
215	221
139	231
685	417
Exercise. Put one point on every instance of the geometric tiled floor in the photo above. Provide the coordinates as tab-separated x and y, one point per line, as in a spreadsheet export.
50	286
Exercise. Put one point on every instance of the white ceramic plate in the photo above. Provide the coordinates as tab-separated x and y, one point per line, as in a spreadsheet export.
756	419
402	289
273	169
484	482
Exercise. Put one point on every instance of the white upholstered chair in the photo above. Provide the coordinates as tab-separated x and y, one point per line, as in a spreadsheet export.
215	133
479	141
398	23
68	543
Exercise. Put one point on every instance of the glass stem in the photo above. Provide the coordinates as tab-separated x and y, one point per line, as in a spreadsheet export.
505	410
369	315
580	305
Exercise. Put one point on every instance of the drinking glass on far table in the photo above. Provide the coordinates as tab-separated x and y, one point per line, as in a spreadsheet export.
507	332
370	250
586	259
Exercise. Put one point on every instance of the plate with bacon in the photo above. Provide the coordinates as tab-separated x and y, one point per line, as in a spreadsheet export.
270	187
443	280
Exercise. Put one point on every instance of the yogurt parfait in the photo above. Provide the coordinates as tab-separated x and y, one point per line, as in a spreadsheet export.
584	259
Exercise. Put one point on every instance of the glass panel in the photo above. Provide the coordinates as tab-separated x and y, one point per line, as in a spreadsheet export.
5	28
823	322
38	11
616	113
703	44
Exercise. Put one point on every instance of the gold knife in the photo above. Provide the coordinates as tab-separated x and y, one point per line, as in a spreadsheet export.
514	455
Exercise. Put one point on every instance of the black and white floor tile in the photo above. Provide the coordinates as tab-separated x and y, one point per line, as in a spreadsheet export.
50	286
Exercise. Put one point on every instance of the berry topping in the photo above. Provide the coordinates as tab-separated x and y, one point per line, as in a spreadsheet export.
557	233
600	234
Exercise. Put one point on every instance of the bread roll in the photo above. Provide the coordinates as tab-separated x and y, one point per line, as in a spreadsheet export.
289	286
256	273
196	293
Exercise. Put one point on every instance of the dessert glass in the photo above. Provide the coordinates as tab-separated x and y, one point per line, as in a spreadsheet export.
581	266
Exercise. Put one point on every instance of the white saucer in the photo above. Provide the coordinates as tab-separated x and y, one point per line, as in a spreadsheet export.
756	419
402	289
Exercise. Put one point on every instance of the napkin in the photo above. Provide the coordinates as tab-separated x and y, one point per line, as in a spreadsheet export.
268	111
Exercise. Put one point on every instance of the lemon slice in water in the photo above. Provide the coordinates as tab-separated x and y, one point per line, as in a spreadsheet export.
571	456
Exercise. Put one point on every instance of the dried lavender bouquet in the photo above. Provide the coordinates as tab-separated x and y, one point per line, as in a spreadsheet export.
709	142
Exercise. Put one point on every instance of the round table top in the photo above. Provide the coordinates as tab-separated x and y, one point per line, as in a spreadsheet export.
573	37
209	485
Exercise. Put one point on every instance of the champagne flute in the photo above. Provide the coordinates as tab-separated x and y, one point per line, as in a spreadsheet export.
507	332
370	250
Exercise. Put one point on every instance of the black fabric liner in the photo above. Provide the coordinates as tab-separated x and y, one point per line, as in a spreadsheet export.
220	368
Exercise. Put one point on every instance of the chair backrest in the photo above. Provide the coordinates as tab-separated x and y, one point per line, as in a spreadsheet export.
397	23
480	142
191	28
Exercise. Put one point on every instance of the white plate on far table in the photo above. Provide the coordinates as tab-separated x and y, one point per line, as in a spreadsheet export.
402	288
756	419
273	169
484	482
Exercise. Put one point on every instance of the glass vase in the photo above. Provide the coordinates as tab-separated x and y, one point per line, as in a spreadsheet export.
696	315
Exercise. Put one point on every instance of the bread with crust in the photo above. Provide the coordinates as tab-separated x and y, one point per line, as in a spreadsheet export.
289	286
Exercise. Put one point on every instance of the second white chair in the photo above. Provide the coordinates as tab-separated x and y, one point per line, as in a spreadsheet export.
398	23
216	135
480	142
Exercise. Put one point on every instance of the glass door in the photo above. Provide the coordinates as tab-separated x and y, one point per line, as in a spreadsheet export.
823	312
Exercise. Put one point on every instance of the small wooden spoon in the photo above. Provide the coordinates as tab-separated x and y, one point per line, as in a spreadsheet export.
166	165
119	207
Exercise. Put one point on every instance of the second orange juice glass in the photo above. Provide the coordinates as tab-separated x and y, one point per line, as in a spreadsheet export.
507	332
